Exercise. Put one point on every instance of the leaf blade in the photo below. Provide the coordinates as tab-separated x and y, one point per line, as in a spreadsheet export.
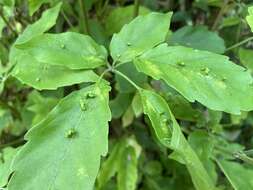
66	160
42	76
209	78
69	49
169	134
125	47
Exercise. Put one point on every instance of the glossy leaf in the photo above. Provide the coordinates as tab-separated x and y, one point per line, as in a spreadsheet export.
6	157
232	170
169	134
198	37
209	78
72	50
249	18
125	47
41	75
63	151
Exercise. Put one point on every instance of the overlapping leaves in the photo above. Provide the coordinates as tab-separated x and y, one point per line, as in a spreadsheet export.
206	77
169	134
54	60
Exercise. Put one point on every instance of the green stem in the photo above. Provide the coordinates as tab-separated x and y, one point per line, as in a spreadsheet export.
220	14
84	17
136	8
239	43
7	23
128	79
15	142
67	19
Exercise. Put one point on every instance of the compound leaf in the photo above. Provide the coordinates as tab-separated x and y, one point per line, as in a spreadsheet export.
63	151
169	134
41	75
206	77
73	50
143	33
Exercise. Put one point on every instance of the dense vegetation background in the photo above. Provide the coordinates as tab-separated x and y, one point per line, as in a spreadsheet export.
136	158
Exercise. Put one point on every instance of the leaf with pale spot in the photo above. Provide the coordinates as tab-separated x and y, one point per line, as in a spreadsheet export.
169	134
209	78
63	151
69	49
41	75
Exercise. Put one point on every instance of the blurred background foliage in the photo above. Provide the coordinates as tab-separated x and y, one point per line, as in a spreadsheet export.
222	141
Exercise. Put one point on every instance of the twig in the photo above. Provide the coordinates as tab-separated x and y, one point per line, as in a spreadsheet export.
239	43
128	79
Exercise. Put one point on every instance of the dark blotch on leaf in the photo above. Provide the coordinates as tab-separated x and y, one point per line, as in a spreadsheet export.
71	133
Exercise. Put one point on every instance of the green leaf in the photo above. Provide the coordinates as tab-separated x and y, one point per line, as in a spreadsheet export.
246	58
110	166
41	75
40	106
239	176
34	5
143	33
72	50
5	118
198	37
209	78
180	107
137	105
169	134
47	21
6	157
63	151
203	145
120	104
120	16
127	172
131	72
2	25
249	18
128	117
